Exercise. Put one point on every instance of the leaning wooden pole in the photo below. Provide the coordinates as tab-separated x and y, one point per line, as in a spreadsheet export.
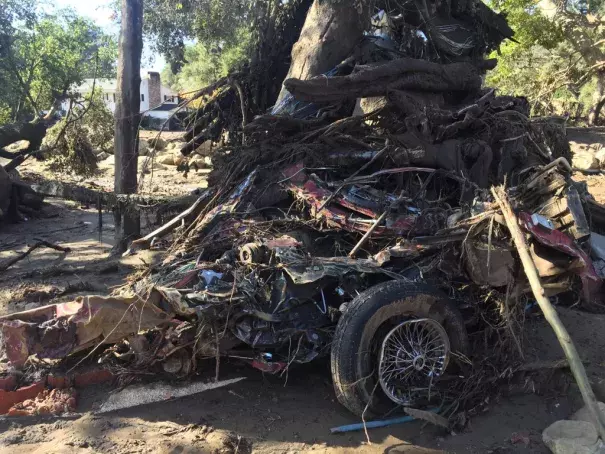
575	364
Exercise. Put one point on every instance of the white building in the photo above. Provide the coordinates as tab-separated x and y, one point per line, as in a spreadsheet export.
157	100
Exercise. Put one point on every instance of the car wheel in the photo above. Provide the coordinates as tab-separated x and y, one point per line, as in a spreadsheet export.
392	345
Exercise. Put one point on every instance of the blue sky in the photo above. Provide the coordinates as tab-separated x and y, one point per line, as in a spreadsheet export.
102	14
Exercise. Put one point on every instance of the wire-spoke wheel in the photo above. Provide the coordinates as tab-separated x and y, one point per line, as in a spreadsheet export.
413	355
393	346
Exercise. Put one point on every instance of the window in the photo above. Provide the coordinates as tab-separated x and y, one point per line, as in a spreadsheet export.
114	97
107	96
142	97
165	98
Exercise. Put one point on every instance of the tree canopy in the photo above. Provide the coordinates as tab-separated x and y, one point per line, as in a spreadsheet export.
217	25
42	55
204	39
558	59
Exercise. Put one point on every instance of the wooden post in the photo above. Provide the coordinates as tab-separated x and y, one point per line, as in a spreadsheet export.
550	314
127	117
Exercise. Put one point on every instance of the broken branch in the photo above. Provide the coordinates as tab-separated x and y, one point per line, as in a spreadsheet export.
550	314
39	243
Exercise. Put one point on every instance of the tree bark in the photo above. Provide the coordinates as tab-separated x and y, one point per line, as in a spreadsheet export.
32	132
127	117
331	31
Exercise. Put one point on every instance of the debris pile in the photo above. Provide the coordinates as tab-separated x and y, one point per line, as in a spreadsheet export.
356	219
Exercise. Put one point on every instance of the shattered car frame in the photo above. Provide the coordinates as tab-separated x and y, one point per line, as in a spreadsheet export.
284	299
371	237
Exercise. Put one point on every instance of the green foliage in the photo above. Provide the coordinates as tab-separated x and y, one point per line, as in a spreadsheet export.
556	57
206	66
540	74
216	24
5	114
72	142
530	25
207	38
42	55
99	124
68	148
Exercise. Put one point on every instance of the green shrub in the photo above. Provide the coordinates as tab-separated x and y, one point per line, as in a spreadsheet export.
72	143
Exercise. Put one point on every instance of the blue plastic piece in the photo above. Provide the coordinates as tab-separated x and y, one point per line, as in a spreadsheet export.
375	424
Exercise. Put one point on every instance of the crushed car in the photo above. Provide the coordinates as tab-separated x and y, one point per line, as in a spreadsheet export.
370	237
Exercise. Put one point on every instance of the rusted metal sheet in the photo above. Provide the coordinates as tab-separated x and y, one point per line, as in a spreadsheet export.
592	284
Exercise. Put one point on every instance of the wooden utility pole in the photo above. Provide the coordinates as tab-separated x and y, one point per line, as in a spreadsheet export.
127	119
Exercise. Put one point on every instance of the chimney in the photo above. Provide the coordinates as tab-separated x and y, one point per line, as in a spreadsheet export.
155	89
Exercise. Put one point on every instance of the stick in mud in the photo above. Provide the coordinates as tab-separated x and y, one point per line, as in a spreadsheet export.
550	314
4	266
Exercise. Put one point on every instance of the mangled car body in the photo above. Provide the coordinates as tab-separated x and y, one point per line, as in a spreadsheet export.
372	238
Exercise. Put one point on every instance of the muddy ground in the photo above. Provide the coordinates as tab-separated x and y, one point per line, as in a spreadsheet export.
264	413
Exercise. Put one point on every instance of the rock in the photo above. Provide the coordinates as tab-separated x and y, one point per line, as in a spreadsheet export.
173	158
152	164
102	156
200	162
572	437
157	143
197	162
176	146
583	414
204	149
585	160
143	147
577	147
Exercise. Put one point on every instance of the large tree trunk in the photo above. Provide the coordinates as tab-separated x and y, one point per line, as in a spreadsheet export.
32	132
331	31
127	117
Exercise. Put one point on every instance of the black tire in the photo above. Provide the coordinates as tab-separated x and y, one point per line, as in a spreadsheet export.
353	358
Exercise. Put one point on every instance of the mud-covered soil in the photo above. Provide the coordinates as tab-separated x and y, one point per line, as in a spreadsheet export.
579	139
158	179
269	414
262	414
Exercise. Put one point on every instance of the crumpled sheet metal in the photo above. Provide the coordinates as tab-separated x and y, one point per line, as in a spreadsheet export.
403	250
597	246
592	284
304	270
336	217
489	267
58	330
